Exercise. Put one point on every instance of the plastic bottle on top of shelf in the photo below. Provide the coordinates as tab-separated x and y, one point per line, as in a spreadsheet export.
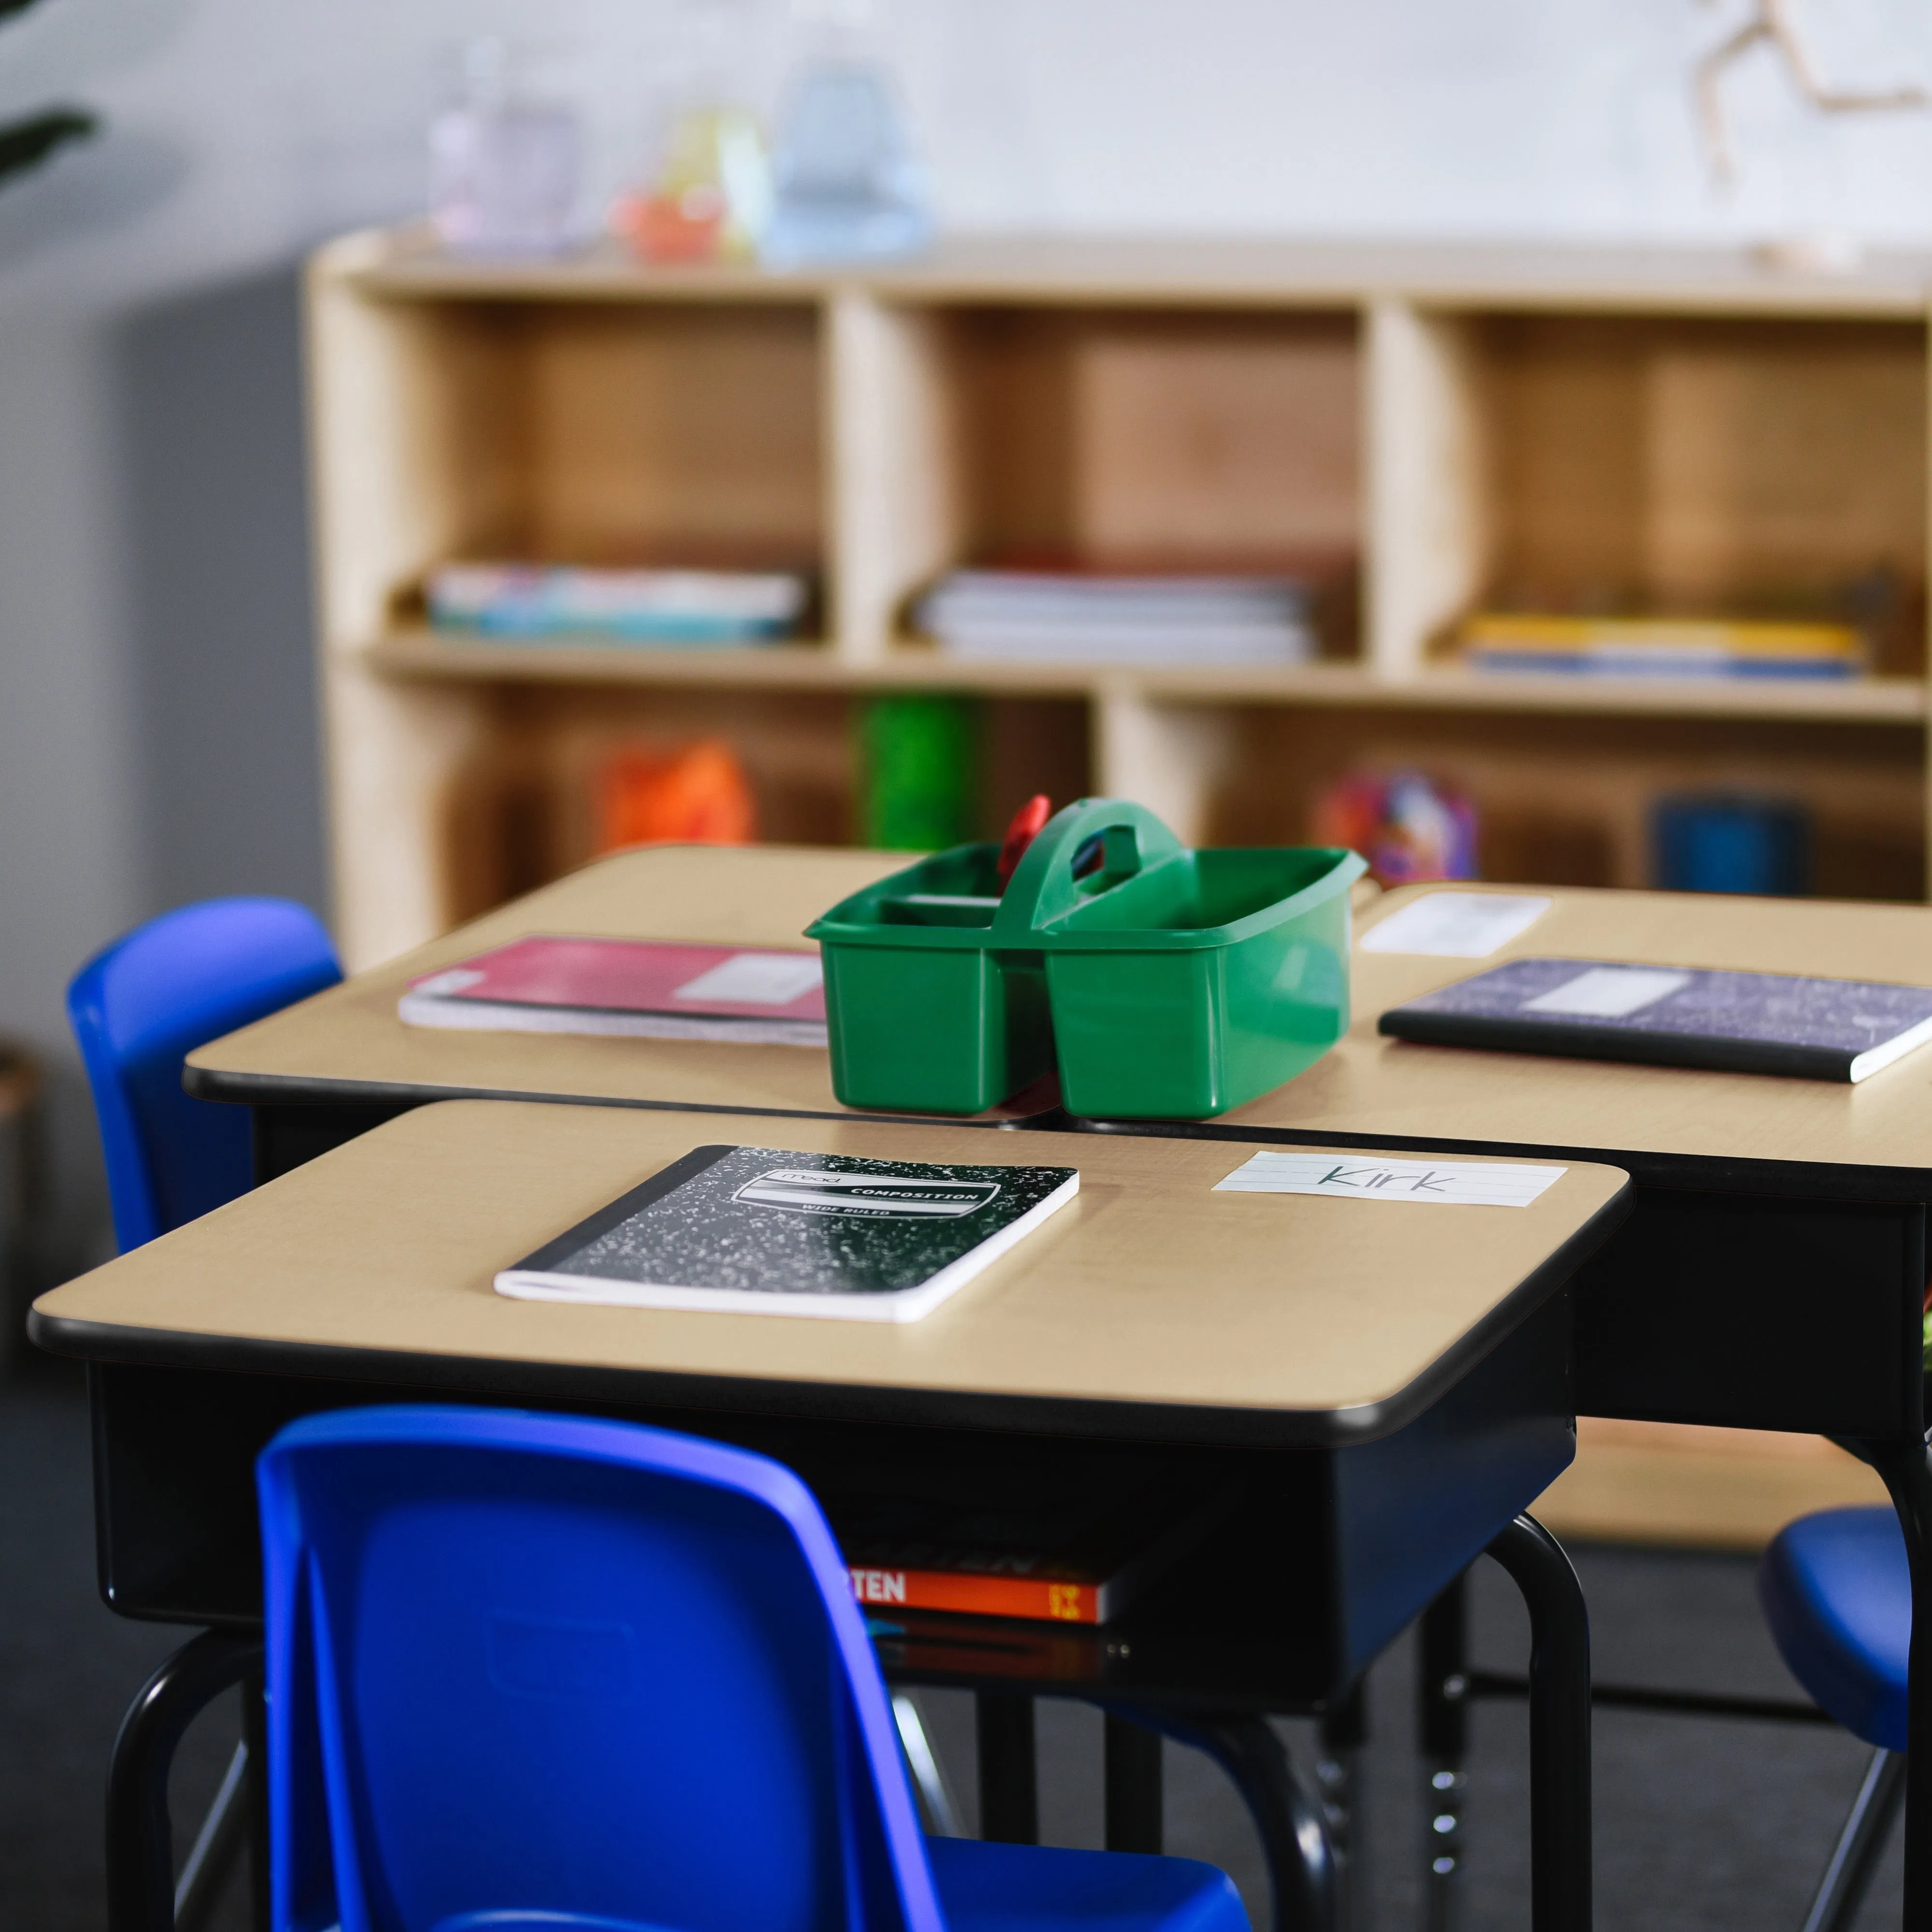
849	187
503	171
708	192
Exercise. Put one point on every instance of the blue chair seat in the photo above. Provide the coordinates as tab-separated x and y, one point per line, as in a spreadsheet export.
543	1673
1837	1592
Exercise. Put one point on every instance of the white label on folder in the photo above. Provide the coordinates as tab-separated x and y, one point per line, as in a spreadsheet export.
1445	1183
1455	925
1608	992
757	980
457	979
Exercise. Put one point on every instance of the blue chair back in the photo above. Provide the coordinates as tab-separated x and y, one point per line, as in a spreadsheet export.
529	1673
140	1007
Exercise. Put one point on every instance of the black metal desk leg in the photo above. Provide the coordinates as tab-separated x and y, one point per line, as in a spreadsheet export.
1344	1730
1908	1475
255	1736
1442	1726
140	1849
1133	1785
1559	1725
1009	1769
1287	1815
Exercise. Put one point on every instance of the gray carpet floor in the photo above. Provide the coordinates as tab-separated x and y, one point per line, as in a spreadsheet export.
1699	1825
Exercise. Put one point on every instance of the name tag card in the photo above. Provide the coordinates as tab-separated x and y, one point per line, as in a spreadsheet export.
1442	1183
1455	925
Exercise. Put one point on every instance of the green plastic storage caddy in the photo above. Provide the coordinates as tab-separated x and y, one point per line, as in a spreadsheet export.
1168	983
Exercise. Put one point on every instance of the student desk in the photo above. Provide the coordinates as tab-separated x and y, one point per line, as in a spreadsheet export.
1372	1391
338	1063
1771	1273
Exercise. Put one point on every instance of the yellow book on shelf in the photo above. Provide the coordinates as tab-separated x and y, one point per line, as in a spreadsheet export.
1722	646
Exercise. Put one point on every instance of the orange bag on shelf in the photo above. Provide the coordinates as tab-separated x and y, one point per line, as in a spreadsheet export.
698	794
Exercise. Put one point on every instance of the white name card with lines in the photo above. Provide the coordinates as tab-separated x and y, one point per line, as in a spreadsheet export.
1445	1183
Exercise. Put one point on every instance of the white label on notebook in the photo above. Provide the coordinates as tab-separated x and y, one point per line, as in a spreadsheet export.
1455	925
1451	1183
457	979
1608	992
756	980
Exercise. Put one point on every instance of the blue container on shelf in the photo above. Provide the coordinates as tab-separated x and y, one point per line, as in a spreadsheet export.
1731	842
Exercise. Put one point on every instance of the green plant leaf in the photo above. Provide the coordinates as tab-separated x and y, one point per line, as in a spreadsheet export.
26	144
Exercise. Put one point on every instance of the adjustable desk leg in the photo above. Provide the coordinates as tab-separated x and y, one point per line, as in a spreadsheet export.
1907	1470
1288	1815
1008	1769
1132	1786
1442	1726
1559	1725
1344	1730
255	1735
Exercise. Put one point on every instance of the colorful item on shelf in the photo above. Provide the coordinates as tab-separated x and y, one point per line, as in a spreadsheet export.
920	762
503	172
848	187
1661	646
1088	617
1409	827
1730	842
696	795
712	198
531	601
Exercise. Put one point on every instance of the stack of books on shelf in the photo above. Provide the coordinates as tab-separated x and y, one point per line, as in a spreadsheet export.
1527	644
1070	616
529	603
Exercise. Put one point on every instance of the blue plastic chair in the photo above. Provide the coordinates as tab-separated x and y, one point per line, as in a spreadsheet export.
540	1673
142	1005
1836	1591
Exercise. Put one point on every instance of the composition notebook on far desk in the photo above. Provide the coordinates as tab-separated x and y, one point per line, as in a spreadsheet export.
1725	1022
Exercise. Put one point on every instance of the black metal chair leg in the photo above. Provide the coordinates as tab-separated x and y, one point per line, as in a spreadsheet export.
140	1850
1442	1725
216	1845
1344	1732
1854	1858
1288	1817
1559	1725
1008	1769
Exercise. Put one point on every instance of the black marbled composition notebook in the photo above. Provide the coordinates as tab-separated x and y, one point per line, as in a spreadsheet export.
766	1231
1673	1016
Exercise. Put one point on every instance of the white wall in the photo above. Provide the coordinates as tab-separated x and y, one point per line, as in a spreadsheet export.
156	735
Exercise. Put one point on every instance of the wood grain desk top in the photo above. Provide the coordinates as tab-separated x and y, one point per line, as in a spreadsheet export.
348	1044
1772	1133
1148	1306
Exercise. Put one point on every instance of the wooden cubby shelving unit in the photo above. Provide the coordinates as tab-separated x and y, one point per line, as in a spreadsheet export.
1460	420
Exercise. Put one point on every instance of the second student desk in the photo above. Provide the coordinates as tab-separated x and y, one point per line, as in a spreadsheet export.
1370	1391
1773	1271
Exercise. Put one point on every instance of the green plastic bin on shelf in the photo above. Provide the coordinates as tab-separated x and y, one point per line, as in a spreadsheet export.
1168	983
